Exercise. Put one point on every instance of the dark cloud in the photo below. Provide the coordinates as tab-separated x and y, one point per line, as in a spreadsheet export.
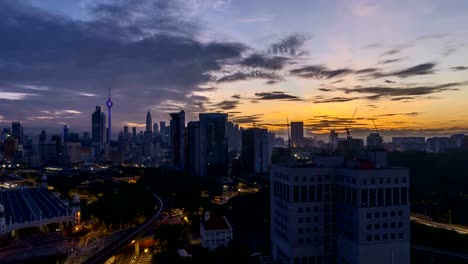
276	95
290	45
245	119
372	46
391	60
337	99
242	76
227	105
399	114
421	69
404	98
432	36
270	82
146	51
236	96
264	61
367	70
459	68
380	91
325	89
389	81
319	72
390	52
336	81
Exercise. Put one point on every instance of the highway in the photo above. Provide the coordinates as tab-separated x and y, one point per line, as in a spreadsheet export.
107	252
457	228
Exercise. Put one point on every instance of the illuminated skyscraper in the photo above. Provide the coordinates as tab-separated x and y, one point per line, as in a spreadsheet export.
109	125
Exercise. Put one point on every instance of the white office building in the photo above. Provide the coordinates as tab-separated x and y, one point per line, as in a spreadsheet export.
331	213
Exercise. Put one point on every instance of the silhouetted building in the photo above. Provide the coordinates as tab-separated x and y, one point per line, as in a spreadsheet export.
134	134
155	128
255	150
178	139
17	131
437	144
297	134
193	148
409	143
66	131
213	145
149	123
374	141
333	140
99	126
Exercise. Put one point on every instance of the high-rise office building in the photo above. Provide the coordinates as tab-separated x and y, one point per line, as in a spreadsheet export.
66	132
149	122
333	140
178	139
213	145
255	150
134	134
193	148
17	131
297	133
335	214
98	126
155	128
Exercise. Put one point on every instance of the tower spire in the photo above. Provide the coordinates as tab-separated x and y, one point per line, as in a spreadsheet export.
109	123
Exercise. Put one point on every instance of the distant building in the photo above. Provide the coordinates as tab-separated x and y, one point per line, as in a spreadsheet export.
374	141
193	148
155	128
66	132
71	152
17	131
409	143
333	140
336	214
456	141
234	137
178	139
437	144
297	134
98	127
255	150
215	231
149	123
213	145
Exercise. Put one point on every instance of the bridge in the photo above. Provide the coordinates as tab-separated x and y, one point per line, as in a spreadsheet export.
111	249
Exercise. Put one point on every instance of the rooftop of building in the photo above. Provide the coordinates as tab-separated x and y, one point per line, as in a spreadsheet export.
30	204
215	221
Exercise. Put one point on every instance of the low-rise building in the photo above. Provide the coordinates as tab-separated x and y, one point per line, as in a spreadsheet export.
215	231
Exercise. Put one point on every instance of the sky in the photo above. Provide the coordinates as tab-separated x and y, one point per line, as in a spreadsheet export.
400	65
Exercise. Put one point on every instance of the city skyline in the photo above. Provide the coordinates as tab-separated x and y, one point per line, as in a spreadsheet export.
400	65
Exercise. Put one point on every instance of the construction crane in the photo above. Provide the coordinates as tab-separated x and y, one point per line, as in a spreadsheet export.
376	130
348	134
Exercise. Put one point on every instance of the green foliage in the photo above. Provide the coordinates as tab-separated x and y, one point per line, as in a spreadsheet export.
122	205
171	237
439	183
